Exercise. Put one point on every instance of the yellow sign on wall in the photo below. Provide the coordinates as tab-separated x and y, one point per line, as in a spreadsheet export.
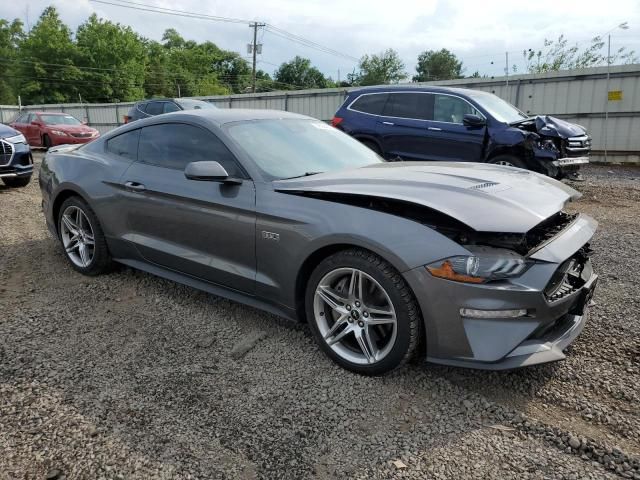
615	95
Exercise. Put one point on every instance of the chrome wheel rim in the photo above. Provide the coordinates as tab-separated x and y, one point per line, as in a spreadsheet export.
77	236
355	316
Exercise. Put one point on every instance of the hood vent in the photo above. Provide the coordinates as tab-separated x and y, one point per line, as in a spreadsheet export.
482	186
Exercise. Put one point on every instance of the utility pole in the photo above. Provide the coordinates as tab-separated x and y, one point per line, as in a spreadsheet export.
506	66
254	49
606	105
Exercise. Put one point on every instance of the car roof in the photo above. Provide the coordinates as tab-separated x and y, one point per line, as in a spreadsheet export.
51	113
221	116
411	88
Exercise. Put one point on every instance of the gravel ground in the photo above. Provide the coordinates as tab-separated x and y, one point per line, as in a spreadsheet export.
130	376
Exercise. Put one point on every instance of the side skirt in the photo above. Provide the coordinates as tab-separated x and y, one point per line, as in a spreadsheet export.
193	282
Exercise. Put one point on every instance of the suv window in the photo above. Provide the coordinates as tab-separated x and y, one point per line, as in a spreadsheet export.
370	103
447	108
170	107
417	106
30	118
124	145
154	108
174	145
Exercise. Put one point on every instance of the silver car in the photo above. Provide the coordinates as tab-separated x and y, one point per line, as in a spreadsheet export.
477	263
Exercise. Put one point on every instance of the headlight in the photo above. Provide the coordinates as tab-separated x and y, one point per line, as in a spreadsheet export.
485	264
546	144
60	132
16	139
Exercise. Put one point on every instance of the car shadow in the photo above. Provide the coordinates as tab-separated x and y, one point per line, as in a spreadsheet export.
150	364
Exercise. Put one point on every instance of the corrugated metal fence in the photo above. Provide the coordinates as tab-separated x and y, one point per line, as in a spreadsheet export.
580	96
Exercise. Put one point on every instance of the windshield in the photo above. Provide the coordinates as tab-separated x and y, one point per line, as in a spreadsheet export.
60	120
498	108
297	147
189	104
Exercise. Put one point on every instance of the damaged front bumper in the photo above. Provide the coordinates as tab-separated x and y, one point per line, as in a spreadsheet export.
555	313
570	161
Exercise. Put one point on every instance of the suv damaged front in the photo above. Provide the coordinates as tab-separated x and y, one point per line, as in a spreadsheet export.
558	147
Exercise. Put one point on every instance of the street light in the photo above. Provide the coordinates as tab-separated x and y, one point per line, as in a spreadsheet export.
622	26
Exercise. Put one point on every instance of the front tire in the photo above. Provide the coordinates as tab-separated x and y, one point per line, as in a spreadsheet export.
82	238
46	142
362	312
508	161
16	182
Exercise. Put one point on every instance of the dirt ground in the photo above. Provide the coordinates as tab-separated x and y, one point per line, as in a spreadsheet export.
131	376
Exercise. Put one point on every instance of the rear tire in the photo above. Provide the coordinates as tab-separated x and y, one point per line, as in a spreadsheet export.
82	238
17	182
508	161
362	312
371	145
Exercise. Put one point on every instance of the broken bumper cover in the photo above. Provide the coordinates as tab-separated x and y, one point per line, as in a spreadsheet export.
540	336
570	161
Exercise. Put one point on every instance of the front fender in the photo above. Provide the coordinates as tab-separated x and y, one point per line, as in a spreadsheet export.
304	226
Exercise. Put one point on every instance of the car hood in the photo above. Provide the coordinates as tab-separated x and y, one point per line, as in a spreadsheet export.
549	126
487	198
7	131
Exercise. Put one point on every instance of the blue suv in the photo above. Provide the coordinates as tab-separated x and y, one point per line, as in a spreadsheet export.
455	124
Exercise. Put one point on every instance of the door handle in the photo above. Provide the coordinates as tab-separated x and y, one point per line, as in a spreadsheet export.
388	123
135	186
435	129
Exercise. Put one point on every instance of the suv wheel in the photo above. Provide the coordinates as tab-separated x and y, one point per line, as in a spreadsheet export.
372	146
508	161
362	312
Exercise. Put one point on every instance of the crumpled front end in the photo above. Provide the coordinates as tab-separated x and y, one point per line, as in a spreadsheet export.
559	147
513	322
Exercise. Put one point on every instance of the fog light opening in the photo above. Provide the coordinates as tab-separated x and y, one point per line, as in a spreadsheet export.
475	313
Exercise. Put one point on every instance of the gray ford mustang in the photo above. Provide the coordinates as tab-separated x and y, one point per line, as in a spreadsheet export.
477	263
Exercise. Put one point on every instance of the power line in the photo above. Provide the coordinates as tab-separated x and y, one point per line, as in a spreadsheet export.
271	28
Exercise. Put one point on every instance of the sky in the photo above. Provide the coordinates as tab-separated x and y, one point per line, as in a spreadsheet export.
479	32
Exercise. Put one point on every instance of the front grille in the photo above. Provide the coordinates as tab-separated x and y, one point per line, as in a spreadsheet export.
81	135
545	231
578	146
569	277
6	152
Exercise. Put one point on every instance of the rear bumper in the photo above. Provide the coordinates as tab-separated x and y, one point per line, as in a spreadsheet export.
540	336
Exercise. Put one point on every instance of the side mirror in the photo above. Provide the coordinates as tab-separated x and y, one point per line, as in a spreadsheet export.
36	123
471	120
208	171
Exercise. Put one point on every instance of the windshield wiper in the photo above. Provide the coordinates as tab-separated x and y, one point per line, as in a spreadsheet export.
306	174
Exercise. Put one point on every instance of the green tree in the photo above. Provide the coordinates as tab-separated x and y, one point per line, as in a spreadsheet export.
299	73
48	70
385	67
10	36
437	65
560	55
112	57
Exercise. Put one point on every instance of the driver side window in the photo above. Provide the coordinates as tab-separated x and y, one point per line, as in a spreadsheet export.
174	145
450	109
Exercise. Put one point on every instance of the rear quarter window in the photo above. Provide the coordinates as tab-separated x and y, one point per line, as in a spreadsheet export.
372	103
124	145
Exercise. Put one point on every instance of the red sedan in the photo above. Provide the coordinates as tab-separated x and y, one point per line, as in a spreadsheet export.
46	129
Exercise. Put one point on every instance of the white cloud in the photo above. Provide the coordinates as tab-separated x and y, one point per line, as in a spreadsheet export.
477	31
